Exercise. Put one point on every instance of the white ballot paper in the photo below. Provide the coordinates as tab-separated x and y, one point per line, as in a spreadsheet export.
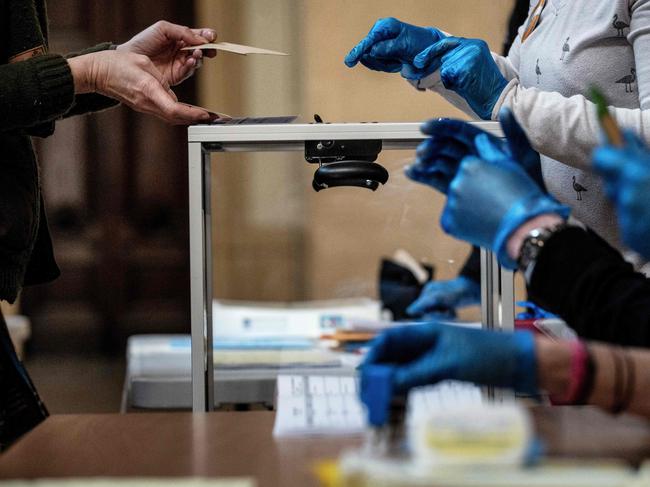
236	48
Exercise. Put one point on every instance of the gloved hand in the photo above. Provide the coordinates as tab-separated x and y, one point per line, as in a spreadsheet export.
533	312
438	157
437	296
391	46
467	68
626	172
489	199
430	353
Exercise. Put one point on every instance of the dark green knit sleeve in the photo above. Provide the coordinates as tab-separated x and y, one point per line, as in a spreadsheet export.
91	102
34	91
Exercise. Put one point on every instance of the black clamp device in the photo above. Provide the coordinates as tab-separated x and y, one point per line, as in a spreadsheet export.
345	163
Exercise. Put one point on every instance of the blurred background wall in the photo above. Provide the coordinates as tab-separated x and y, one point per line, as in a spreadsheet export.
115	183
116	196
274	237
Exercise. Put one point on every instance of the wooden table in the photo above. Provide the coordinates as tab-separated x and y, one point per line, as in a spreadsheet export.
241	444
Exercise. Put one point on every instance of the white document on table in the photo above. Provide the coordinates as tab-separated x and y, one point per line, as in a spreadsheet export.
329	405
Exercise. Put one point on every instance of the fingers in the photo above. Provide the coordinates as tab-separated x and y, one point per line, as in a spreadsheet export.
418	373
487	150
386	66
402	344
449	220
436	179
458	130
432	55
518	142
181	33
210	35
382	30
183	69
164	104
446	147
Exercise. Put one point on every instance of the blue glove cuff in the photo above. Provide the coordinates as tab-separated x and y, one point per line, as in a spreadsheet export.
519	214
486	111
525	376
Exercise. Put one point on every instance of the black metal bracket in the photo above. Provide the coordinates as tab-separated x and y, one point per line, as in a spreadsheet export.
345	162
326	151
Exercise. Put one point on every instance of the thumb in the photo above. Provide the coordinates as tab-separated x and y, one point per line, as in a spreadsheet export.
181	33
432	54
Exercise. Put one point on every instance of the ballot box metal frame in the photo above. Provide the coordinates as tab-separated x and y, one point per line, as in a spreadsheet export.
497	284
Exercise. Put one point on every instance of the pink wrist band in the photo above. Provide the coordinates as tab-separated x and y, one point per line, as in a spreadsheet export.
578	373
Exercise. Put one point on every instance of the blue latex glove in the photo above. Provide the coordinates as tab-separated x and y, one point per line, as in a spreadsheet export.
439	296
626	172
450	141
391	45
489	199
533	312
430	353
466	67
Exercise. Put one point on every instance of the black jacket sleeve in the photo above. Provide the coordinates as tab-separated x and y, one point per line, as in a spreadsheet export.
34	91
581	278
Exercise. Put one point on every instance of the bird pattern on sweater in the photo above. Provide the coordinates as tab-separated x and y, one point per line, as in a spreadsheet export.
620	26
577	44
566	49
578	188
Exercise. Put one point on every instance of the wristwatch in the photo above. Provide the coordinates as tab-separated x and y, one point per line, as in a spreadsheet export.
533	245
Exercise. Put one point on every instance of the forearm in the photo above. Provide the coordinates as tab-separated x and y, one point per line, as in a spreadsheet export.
620	374
34	91
585	281
618	369
553	365
565	129
85	100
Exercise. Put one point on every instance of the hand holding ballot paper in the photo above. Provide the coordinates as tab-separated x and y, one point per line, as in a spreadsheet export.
222	118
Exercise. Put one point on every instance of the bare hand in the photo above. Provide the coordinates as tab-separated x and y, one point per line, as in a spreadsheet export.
162	43
134	80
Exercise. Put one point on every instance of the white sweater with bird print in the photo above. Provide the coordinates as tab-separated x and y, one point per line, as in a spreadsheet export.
576	45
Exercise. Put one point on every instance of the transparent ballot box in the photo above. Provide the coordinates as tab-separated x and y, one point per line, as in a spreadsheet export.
267	224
